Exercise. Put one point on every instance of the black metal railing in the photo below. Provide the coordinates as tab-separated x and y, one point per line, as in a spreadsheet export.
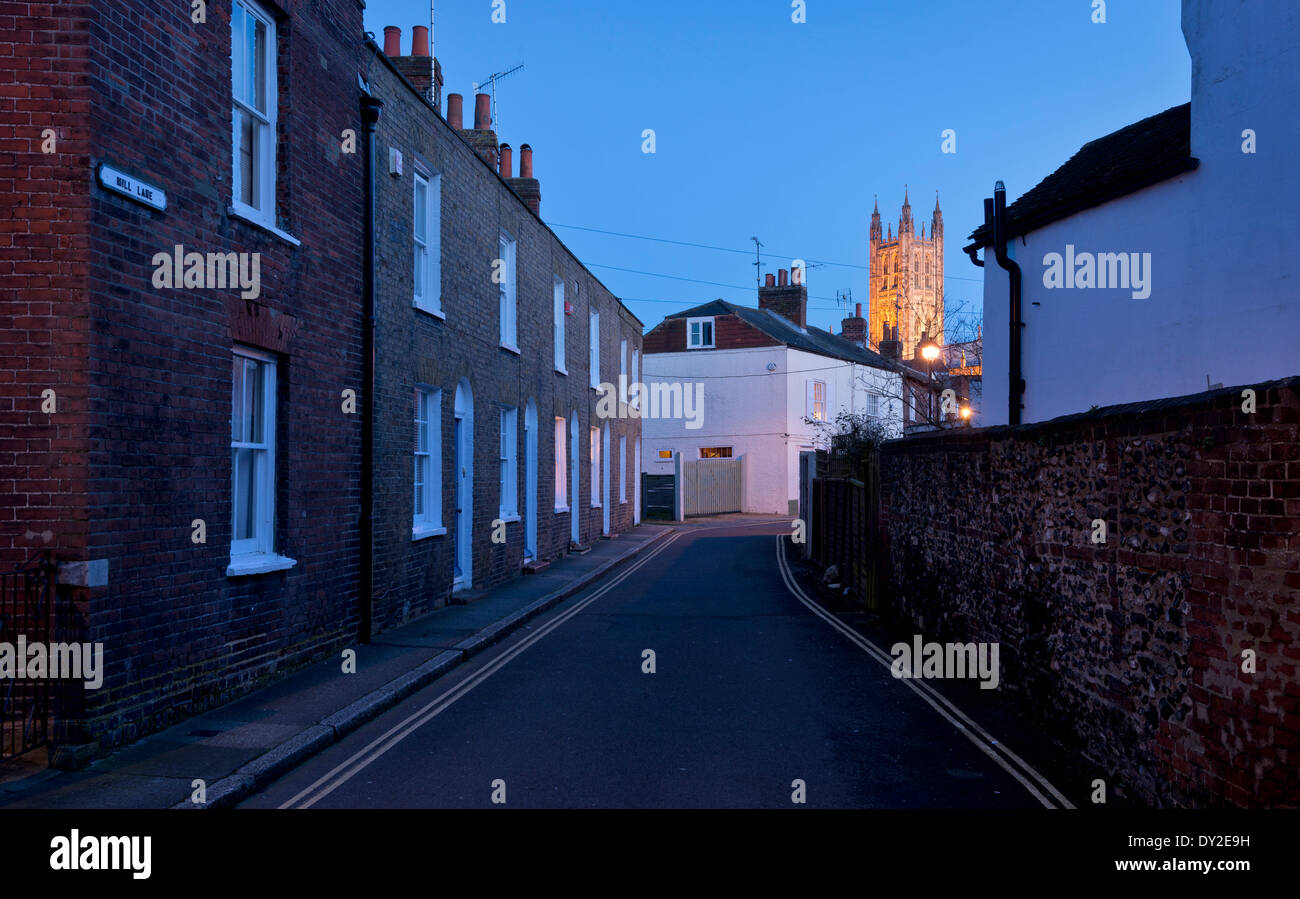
26	614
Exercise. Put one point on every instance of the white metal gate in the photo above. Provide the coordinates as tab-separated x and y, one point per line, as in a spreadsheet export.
712	486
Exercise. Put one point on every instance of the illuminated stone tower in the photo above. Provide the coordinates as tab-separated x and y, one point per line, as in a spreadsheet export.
906	281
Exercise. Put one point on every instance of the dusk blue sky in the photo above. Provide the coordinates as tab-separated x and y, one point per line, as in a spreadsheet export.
786	131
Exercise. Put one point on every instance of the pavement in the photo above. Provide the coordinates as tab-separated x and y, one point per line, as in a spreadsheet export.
242	747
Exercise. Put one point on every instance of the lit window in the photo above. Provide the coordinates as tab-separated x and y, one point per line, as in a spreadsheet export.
715	452
427	517
506	290
665	455
509	463
427	277
253	60
817	400
699	333
561	476
252	451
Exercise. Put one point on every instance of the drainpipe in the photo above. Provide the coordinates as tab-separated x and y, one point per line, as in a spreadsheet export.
973	251
370	110
1013	271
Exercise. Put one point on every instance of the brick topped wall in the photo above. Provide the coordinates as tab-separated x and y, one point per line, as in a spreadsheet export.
1129	651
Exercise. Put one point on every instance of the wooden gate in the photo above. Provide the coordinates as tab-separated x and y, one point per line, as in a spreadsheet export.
712	486
659	496
846	530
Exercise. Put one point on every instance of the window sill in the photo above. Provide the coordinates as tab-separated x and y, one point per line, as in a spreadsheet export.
236	212
597	505
562	371
560	510
512	518
513	349
702	347
424	531
258	563
436	313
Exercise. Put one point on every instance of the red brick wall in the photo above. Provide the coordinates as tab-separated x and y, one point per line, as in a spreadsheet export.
179	634
1129	651
44	268
730	332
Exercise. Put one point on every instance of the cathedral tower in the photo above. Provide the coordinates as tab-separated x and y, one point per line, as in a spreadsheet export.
906	279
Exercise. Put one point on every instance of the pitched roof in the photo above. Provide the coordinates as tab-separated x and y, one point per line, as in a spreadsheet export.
1134	157
778	327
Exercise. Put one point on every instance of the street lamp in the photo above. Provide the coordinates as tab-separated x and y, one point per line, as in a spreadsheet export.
930	352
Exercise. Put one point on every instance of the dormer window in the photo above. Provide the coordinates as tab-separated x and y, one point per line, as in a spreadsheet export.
699	333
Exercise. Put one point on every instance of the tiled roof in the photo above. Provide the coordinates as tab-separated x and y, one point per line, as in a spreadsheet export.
1120	163
809	339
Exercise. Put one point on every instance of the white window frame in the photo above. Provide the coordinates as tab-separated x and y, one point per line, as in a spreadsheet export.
509	452
594	453
691	342
593	336
813	401
264	151
507	293
427	252
558	303
428	523
622	358
561	461
255	554
622	470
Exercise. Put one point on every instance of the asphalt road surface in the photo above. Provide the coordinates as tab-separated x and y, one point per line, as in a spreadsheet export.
755	701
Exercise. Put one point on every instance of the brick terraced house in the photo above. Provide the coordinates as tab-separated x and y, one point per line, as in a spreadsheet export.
492	341
185	427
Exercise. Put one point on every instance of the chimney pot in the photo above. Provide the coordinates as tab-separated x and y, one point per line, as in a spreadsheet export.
392	40
771	280
507	162
525	161
482	112
420	40
858	314
455	111
782	278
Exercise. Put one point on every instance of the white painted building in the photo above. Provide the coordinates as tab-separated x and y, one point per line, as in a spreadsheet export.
1209	201
763	374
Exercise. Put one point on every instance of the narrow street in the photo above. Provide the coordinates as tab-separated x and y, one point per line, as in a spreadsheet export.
751	691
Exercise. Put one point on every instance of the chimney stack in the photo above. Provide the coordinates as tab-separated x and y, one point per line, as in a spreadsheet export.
790	301
526	186
854	328
481	137
420	68
890	347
